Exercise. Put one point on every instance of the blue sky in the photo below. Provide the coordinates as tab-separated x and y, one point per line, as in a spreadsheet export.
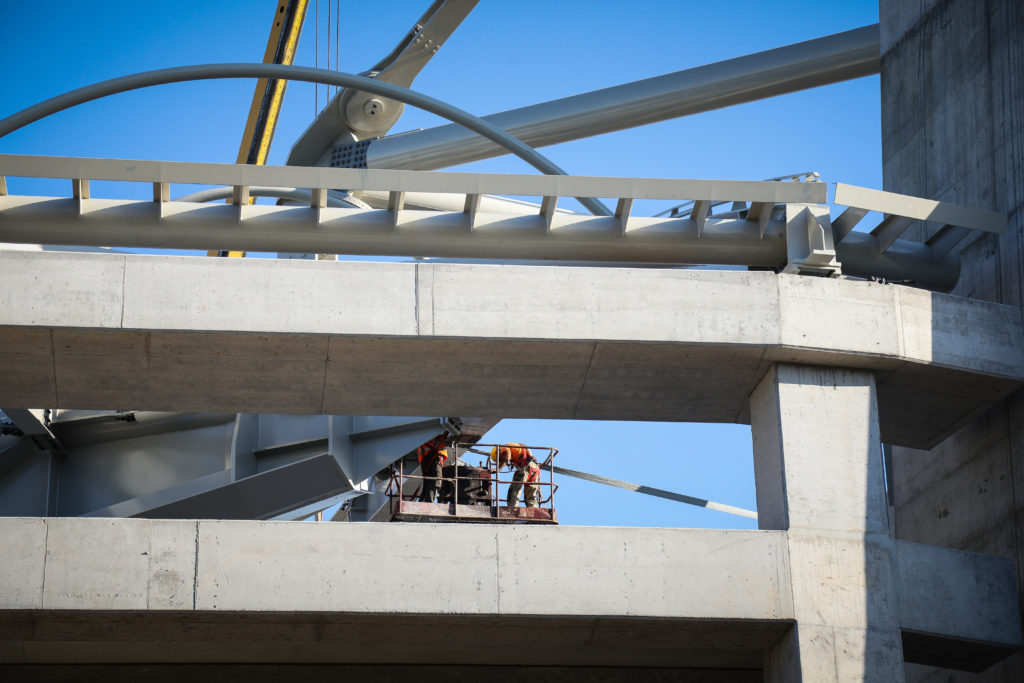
505	55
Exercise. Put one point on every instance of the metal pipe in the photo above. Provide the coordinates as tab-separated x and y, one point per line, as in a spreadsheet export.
294	73
830	59
659	493
297	194
367	198
181	225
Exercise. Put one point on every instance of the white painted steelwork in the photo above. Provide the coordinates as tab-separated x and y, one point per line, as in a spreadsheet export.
830	59
798	240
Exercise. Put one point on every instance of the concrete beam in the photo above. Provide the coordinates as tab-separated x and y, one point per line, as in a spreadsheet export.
156	333
78	590
957	609
223	566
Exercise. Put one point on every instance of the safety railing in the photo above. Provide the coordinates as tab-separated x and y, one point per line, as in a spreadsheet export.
467	492
769	225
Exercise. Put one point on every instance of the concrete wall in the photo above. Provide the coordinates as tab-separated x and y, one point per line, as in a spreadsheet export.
953	129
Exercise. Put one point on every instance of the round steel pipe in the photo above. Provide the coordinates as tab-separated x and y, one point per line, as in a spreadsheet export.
830	59
183	225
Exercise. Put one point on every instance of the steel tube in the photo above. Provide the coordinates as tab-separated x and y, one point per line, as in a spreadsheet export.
181	225
296	194
830	59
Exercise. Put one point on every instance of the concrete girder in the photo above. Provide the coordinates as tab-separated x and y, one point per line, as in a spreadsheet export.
151	332
207	587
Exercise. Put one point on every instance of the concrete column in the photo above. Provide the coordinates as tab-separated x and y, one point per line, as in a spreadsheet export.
818	468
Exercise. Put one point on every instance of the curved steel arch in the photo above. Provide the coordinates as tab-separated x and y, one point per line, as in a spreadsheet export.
200	72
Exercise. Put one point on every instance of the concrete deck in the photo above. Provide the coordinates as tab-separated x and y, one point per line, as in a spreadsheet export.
254	335
79	590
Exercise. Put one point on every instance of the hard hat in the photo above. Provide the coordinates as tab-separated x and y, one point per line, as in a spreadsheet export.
494	454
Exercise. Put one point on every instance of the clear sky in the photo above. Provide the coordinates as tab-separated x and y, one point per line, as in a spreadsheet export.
505	55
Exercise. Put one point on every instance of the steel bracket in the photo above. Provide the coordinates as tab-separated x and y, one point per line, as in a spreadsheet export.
810	249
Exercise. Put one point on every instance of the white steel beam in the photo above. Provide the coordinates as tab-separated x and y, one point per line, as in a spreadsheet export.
407	181
830	59
920	209
846	221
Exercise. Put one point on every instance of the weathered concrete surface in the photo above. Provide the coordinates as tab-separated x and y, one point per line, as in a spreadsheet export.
54	638
376	673
129	564
128	590
818	469
179	333
953	130
966	592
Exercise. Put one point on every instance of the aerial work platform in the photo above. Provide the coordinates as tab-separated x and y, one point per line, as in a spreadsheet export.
414	511
471	494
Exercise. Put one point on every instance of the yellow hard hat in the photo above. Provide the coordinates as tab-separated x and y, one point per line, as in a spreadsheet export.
494	454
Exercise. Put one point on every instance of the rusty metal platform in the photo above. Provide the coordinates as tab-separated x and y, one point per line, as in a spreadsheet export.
411	511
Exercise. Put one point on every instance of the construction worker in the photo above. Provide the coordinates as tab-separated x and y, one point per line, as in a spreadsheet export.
527	472
431	456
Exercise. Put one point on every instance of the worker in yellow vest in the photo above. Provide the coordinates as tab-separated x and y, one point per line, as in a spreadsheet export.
527	472
431	456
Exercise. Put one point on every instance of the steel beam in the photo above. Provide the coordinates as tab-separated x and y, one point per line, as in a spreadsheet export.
830	59
920	209
407	181
180	225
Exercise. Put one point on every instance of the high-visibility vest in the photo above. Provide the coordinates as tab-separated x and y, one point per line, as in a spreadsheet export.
532	472
518	454
435	448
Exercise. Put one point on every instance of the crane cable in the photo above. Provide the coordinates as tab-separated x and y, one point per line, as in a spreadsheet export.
651	491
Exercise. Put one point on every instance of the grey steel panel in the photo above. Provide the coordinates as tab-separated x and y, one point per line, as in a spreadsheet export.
27	482
126	465
262	496
320	505
78	430
155	499
365	445
830	59
371	455
920	209
13	451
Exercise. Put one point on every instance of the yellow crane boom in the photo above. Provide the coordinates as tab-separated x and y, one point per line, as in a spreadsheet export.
269	93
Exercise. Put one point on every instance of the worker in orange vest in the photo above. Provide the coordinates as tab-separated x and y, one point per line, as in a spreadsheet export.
527	472
431	456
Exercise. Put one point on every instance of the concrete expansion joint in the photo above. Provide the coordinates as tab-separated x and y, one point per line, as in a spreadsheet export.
124	289
195	569
42	568
416	298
